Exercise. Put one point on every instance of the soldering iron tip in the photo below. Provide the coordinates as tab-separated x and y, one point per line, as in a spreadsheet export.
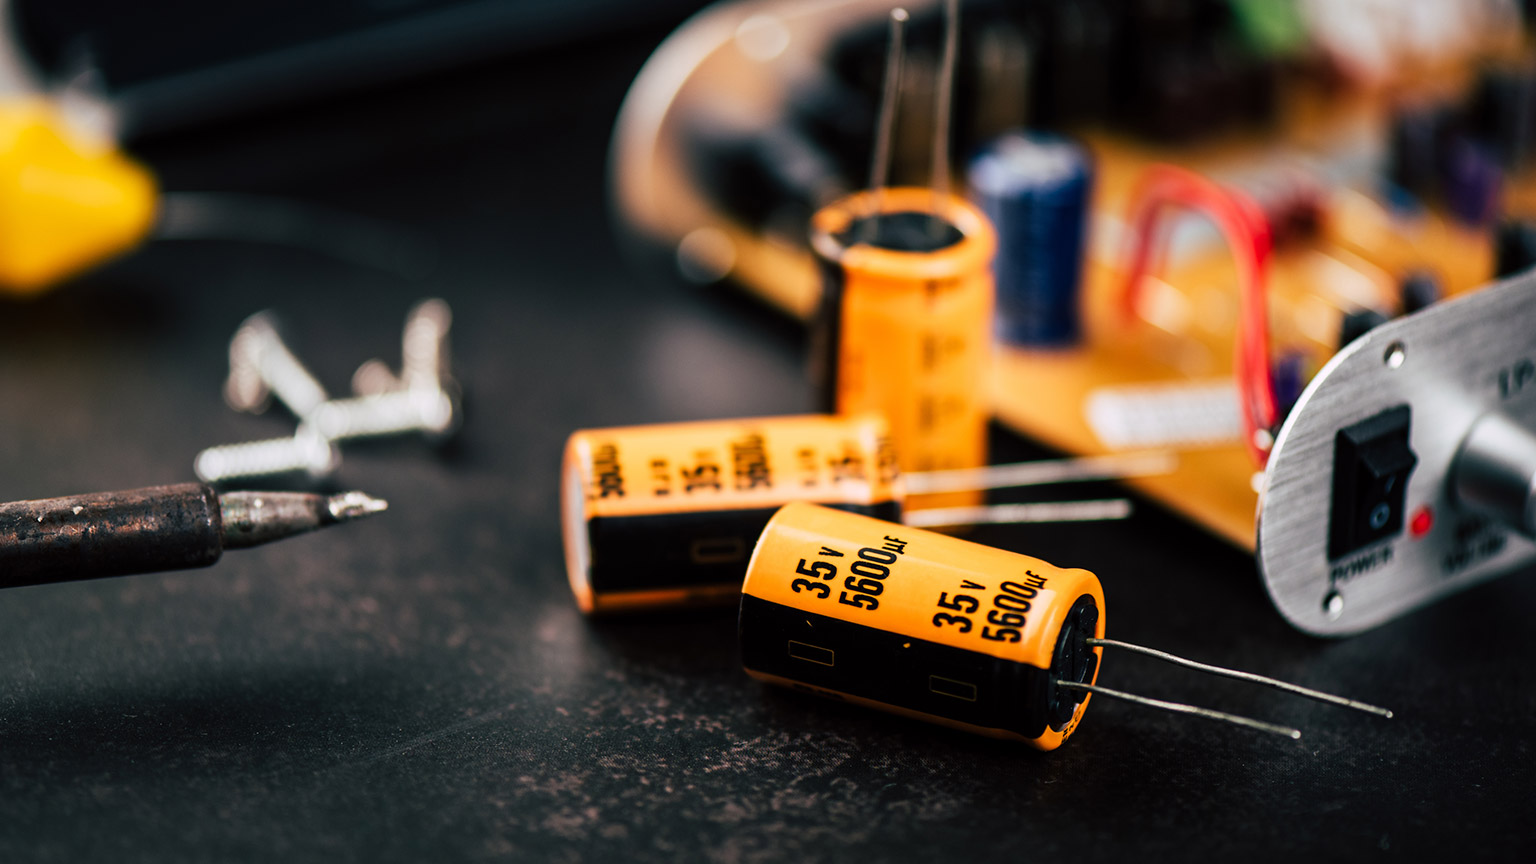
355	505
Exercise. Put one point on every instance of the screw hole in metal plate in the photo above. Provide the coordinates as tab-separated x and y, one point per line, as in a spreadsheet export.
1333	604
1396	354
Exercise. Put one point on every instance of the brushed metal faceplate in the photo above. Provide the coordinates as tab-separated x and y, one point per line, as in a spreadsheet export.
1450	364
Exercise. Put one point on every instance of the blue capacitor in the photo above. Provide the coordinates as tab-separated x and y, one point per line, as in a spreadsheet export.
1034	187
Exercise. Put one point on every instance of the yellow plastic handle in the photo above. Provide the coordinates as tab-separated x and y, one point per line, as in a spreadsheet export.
66	204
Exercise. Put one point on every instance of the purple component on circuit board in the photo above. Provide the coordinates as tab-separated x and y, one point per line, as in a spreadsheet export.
1472	183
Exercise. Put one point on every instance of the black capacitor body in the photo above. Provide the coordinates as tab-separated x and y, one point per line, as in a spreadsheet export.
109	534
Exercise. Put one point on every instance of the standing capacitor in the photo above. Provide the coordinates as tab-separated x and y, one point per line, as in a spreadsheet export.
666	515
939	629
906	320
906	308
1035	188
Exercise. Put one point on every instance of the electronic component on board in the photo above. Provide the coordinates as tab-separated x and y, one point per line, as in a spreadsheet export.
937	628
1503	111
771	177
1416	144
1514	243
666	515
1357	323
1035	189
1419	289
1473	183
906	308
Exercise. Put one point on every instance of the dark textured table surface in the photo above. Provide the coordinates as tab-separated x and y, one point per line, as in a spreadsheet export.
421	687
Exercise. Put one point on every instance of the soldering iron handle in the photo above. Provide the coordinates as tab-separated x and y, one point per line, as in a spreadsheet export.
109	534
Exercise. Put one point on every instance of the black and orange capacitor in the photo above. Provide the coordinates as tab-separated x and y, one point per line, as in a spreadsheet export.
667	514
906	321
941	629
921	624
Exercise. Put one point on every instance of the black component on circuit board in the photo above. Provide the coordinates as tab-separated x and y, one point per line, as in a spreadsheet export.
1357	323
1419	290
1514	247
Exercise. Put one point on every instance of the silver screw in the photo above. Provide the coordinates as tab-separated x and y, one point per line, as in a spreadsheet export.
306	451
261	364
432	412
423	398
423	350
243	389
424	346
374	377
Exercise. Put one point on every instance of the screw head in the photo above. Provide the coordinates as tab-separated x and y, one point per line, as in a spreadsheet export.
245	390
374	377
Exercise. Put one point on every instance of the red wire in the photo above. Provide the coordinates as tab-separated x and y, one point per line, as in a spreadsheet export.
1246	231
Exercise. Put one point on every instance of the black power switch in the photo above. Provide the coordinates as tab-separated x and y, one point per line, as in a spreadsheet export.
1371	464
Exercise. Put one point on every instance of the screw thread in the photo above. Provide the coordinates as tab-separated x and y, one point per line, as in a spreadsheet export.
303	452
381	414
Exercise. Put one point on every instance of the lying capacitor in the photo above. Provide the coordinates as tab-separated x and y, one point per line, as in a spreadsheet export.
937	628
1035	187
921	624
666	515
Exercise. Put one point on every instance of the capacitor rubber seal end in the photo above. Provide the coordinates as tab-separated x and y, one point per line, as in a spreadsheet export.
1075	661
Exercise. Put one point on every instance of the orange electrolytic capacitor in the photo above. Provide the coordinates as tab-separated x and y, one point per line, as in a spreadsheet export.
666	515
938	628
905	324
906	321
921	623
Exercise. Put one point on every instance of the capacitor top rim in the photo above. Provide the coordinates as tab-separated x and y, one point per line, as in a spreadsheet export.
974	250
1024	161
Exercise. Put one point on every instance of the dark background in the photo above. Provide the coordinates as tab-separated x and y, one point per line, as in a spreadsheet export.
420	686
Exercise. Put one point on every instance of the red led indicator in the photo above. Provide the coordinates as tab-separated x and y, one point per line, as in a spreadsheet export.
1423	520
